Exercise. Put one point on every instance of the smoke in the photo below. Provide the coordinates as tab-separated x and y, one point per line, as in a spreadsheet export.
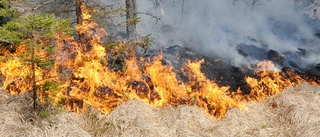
217	27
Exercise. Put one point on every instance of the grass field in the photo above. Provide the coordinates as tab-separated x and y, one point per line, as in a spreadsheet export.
294	112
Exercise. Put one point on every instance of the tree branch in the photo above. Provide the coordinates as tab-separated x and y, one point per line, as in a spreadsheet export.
46	3
151	15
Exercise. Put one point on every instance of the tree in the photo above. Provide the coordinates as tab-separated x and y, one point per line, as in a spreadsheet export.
29	63
32	42
79	3
6	14
131	17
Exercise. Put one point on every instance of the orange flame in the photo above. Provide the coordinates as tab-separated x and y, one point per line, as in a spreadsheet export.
81	76
270	81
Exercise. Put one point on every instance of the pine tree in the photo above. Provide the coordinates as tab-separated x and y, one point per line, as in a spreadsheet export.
30	41
6	14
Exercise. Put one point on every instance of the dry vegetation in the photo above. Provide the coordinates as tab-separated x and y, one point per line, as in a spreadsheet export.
295	112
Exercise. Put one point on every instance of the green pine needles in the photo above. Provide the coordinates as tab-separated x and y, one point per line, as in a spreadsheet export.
33	41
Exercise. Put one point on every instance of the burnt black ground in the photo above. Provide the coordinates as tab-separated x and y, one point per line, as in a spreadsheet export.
223	72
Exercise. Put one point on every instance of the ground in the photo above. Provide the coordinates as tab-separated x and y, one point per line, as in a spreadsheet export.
294	112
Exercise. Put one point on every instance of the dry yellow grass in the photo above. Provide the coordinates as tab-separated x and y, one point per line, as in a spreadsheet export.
295	112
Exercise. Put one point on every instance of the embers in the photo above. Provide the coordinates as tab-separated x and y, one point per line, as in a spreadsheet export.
145	89
104	92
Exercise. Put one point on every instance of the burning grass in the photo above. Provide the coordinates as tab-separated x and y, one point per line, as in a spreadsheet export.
79	75
122	103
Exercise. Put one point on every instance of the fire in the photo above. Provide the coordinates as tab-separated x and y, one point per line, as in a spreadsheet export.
14	83
80	76
208	94
270	81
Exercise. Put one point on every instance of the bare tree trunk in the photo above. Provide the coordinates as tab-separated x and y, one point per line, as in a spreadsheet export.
79	16
34	78
131	15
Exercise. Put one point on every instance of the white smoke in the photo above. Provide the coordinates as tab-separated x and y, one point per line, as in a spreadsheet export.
216	27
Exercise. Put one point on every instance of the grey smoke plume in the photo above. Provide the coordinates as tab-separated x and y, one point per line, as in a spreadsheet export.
216	27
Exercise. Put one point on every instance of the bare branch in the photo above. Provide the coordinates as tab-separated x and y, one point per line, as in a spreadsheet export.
44	4
151	15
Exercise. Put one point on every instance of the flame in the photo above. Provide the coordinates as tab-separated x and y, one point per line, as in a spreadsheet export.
80	76
270	81
209	95
16	75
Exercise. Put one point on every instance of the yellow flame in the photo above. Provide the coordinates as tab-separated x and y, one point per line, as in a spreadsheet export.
83	77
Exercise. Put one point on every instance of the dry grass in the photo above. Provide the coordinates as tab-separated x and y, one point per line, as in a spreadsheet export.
295	112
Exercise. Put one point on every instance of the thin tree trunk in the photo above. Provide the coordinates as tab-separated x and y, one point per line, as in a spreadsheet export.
79	17
131	15
34	78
